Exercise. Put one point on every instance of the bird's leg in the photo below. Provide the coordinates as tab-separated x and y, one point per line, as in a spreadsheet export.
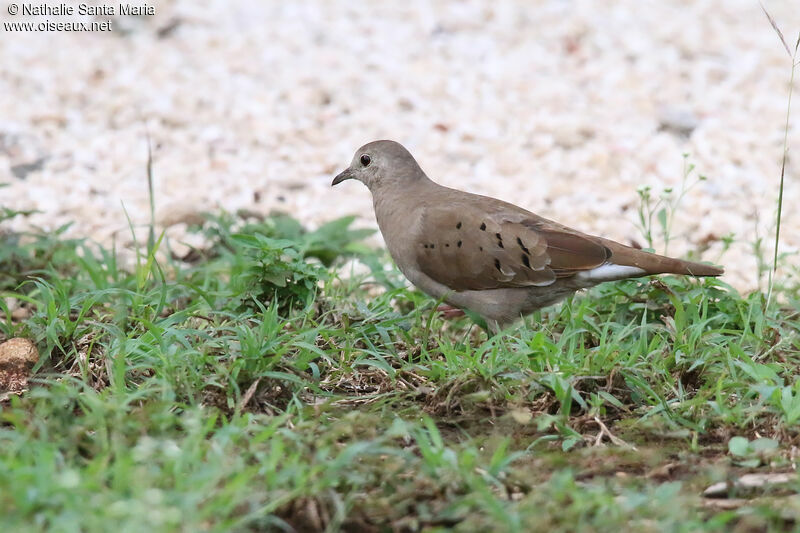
493	328
448	311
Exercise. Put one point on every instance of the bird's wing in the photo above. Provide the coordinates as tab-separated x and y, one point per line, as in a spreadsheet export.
468	247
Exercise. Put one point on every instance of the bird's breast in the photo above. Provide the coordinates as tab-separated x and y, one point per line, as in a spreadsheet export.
399	224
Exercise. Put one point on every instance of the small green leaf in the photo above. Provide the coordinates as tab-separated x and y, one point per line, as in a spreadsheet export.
749	463
569	443
739	446
611	399
763	445
662	217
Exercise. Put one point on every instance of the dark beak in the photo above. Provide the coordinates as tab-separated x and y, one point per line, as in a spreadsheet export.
346	174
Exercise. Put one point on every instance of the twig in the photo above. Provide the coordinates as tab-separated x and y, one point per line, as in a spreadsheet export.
248	395
785	151
151	236
613	438
775	27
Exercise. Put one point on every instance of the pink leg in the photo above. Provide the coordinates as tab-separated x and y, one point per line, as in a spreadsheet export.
449	311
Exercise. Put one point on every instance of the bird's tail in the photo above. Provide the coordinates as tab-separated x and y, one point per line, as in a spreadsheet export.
658	264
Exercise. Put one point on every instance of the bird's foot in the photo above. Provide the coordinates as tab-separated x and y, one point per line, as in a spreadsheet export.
449	311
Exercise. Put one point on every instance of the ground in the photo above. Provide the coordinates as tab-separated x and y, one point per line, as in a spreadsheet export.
254	388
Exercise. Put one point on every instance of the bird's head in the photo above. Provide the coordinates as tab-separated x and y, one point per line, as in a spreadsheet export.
379	164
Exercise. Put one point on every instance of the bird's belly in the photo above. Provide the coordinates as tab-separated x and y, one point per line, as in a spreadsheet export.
507	305
426	284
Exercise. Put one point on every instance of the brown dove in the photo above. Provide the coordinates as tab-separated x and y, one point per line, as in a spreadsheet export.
485	255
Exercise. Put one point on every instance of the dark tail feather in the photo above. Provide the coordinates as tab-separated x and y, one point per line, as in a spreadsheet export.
658	264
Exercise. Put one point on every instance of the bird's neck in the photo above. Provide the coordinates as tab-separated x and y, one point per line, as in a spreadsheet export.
396	197
398	207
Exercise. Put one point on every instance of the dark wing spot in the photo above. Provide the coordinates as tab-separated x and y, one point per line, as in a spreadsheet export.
483	226
458	226
424	245
458	244
524	248
432	246
447	245
497	264
499	237
481	248
525	261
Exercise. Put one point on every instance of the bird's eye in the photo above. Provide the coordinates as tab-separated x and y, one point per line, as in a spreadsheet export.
365	160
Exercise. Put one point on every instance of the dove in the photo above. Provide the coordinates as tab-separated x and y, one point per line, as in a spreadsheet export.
485	255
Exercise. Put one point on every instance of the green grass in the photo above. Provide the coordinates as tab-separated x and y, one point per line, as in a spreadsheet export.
252	389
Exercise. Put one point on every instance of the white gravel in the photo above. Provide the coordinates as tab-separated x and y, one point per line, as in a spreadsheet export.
564	107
